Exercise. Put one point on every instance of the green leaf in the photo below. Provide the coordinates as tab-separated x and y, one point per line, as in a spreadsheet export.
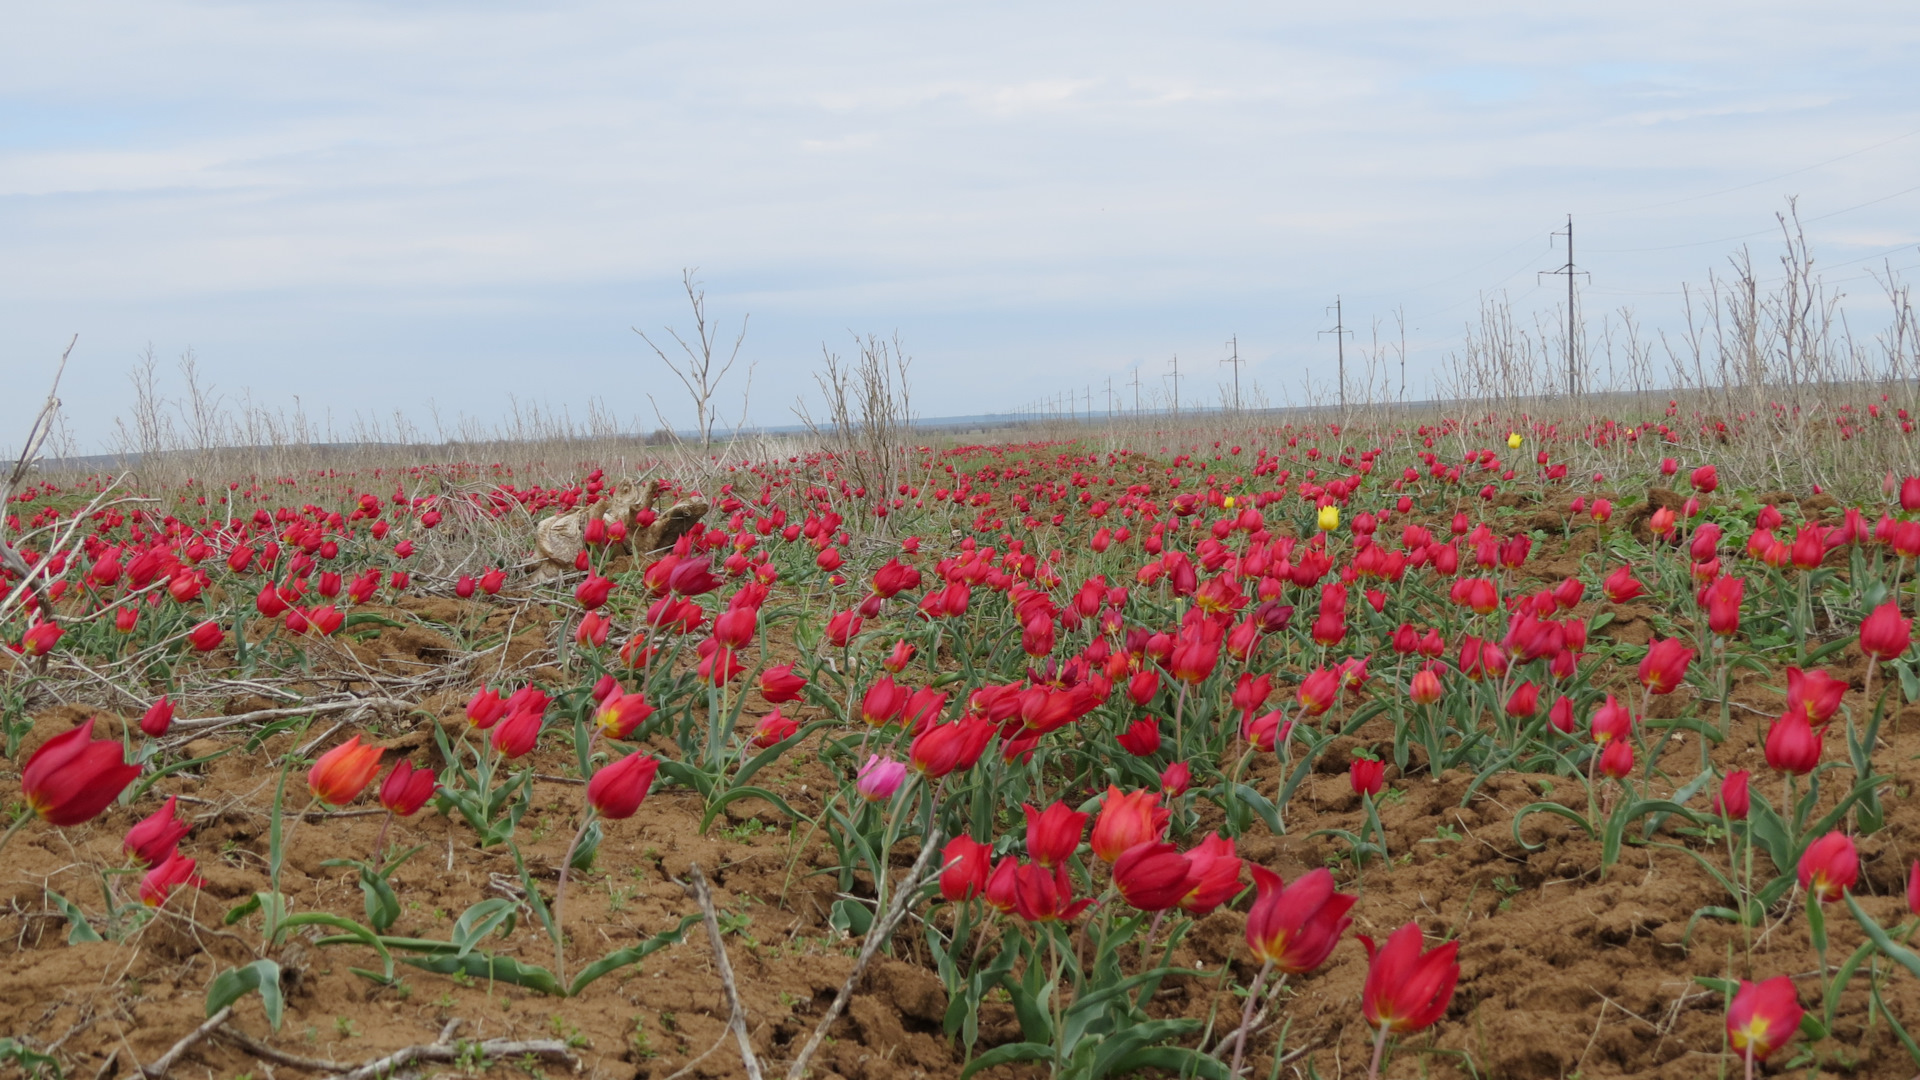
149	779
486	966
340	922
232	984
28	1061
79	931
1844	976
483	918
734	795
1548	808
1001	1055
1173	1060
1900	954
620	958
1906	1040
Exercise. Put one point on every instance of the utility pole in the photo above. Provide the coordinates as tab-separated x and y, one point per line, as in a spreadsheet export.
1234	344
1109	399
1340	333
1573	369
1176	384
1136	389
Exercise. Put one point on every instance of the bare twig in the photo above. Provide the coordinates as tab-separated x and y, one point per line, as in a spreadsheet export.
212	723
442	1049
737	1013
877	936
166	1061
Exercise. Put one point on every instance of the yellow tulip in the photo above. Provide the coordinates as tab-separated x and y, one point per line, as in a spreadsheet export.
1329	518
1229	502
1513	440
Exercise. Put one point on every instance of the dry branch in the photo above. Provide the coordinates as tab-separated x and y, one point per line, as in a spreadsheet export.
877	936
737	1013
166	1061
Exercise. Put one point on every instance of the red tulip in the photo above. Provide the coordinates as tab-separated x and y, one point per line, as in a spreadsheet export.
617	790
1792	745
73	777
1192	660
1705	479
896	661
780	685
1153	876
1294	928
1053	834
159	882
1561	715
942	749
343	772
153	840
326	619
1884	635
1611	721
1143	685
1367	776
842	628
1724	597
1524	701
592	592
1216	876
1763	1017
1424	688
1126	820
1318	691
774	729
269	603
41	638
1141	739
620	713
207	636
406	789
1621	586
1829	867
1616	761
1733	799
1042	895
1665	666
965	863
1174	780
1407	990
158	717
516	735
1814	693
883	701
485	709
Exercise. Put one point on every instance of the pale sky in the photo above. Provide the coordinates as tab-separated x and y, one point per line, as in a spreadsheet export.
374	205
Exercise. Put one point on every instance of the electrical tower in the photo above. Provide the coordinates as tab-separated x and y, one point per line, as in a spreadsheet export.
1136	389
1176	384
1234	344
1573	367
1340	333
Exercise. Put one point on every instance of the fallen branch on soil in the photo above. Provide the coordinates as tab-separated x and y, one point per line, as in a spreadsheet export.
159	1067
737	1013
877	936
441	1049
211	723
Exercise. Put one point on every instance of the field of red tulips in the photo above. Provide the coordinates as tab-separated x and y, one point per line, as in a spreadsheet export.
1458	749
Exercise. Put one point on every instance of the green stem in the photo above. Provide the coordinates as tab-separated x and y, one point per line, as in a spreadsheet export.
560	897
14	828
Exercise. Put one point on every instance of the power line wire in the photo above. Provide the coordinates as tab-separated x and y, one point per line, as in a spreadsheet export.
1756	183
